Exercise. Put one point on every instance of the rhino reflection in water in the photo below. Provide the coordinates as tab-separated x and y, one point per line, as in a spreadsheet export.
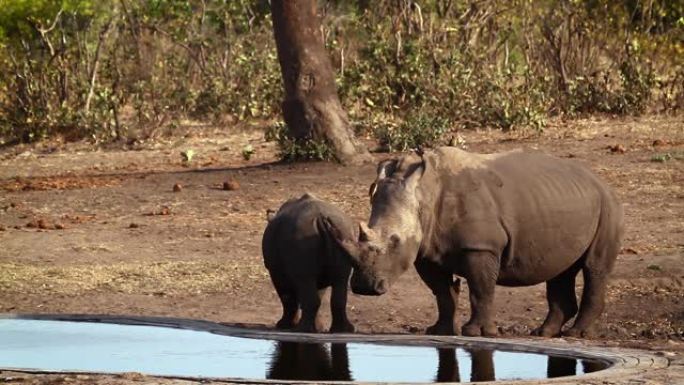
314	362
513	219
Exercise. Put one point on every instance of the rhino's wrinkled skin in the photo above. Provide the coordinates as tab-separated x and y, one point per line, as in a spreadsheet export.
303	260
514	219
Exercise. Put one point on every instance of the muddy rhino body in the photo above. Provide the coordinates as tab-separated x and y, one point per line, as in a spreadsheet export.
303	261
514	219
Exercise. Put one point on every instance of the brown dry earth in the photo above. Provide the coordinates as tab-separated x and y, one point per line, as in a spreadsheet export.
102	231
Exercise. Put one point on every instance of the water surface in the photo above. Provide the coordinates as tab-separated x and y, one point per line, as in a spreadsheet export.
115	348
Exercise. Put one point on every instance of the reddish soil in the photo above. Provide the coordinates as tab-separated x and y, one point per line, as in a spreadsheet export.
85	230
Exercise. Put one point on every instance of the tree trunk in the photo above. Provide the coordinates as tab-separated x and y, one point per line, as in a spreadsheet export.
311	108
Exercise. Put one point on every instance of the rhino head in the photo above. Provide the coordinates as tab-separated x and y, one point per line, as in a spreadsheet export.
388	245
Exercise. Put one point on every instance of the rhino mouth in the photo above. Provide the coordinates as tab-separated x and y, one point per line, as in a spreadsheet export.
363	287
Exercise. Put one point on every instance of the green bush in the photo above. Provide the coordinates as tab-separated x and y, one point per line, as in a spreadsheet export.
155	63
421	130
631	94
292	150
503	64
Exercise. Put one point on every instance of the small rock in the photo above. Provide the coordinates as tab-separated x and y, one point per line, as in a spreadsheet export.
59	226
133	226
33	224
42	224
658	142
177	187
2	228
132	376
617	148
231	185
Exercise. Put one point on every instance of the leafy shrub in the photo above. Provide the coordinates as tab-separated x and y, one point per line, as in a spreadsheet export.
495	63
292	150
631	93
110	69
421	130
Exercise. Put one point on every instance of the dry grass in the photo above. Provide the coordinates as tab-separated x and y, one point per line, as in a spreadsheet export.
158	278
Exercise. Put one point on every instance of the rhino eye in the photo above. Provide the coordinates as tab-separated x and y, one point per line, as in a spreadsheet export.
394	241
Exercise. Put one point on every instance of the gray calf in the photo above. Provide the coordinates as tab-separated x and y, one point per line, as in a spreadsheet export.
303	261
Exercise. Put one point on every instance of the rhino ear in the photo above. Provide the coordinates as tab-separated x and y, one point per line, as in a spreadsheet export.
371	191
349	245
386	168
414	174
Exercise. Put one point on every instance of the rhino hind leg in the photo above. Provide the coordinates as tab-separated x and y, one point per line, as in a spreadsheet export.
560	294
592	305
288	299
442	286
599	260
310	301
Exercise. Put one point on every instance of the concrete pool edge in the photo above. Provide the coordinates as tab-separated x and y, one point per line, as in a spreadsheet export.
624	363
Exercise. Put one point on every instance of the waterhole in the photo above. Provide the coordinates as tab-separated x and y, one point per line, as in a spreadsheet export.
50	345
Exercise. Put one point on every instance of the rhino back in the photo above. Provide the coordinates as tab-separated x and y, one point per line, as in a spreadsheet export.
294	238
538	212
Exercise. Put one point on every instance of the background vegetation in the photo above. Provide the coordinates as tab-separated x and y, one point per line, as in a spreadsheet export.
407	71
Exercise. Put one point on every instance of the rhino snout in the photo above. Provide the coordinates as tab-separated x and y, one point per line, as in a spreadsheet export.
365	287
381	287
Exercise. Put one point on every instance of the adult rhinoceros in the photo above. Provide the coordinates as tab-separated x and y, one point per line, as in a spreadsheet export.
514	219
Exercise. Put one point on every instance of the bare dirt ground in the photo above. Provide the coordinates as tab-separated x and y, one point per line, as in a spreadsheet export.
102	231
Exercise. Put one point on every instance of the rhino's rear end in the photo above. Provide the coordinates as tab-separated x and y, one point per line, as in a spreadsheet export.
554	210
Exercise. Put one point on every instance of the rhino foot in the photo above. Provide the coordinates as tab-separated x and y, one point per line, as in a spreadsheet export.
346	327
304	327
442	329
285	324
577	333
545	332
473	330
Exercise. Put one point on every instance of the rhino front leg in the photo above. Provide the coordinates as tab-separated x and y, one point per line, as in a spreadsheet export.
338	307
445	290
481	270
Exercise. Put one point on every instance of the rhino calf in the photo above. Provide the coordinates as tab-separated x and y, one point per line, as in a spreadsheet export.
303	261
513	219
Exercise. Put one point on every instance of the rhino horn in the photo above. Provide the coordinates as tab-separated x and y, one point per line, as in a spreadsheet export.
365	232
